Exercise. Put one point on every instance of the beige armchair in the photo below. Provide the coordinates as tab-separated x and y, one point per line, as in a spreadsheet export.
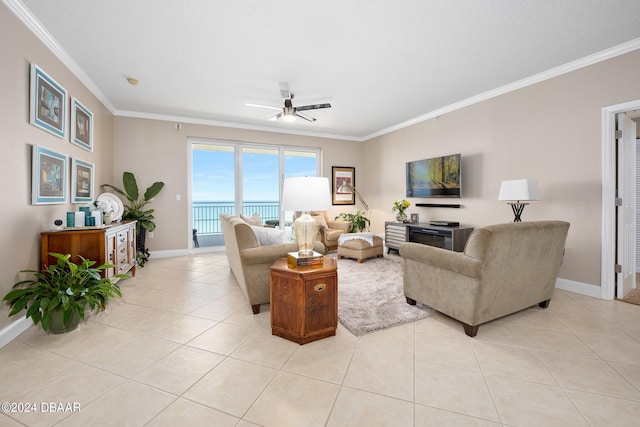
329	230
249	260
504	268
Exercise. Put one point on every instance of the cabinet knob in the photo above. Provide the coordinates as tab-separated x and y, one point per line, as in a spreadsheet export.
320	287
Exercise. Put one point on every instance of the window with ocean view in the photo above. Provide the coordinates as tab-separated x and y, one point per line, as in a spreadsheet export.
242	178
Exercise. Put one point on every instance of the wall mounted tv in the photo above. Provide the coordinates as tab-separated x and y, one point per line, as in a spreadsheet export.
436	177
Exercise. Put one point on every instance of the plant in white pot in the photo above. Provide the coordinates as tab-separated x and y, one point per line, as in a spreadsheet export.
58	296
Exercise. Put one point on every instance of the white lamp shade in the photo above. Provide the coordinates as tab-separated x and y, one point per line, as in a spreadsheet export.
309	193
520	190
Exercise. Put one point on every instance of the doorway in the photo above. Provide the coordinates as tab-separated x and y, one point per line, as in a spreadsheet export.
610	255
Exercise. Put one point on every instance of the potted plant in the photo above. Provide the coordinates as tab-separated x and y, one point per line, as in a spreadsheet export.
358	221
58	296
135	210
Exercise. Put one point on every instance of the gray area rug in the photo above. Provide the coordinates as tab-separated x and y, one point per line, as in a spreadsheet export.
371	296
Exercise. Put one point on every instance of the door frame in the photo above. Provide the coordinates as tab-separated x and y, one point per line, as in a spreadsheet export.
609	162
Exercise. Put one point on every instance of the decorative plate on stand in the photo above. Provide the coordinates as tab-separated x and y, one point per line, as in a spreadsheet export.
114	202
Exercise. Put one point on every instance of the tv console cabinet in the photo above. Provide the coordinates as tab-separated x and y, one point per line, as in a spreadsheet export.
451	238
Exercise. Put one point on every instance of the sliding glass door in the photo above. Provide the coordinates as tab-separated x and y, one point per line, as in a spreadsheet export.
212	190
242	178
261	183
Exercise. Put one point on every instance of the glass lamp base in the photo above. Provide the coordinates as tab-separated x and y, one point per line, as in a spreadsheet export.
306	229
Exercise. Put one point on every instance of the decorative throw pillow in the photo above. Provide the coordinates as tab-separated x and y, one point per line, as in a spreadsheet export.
269	236
252	220
322	222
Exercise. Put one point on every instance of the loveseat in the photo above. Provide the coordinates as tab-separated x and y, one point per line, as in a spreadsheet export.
504	268
251	250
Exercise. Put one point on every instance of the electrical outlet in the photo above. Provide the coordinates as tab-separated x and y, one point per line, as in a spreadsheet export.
178	197
151	234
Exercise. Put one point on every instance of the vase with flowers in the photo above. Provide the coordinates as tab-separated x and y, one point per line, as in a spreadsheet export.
400	206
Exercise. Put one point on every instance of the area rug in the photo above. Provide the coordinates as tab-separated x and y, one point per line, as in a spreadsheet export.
633	297
371	296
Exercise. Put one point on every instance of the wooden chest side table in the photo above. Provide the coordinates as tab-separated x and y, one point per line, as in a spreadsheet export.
304	301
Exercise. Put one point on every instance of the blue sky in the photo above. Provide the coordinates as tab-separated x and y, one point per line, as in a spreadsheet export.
213	175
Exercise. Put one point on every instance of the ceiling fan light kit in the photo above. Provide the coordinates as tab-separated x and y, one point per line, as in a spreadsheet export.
289	113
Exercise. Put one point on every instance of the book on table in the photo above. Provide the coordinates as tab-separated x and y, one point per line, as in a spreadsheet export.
294	259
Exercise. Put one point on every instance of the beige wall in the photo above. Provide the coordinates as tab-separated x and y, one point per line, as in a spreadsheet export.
550	131
20	222
155	151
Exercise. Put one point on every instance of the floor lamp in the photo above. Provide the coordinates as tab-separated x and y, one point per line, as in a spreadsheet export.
347	188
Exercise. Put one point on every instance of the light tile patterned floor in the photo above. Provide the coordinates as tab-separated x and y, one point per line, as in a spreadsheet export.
183	348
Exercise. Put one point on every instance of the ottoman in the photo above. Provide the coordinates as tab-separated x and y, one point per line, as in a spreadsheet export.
360	247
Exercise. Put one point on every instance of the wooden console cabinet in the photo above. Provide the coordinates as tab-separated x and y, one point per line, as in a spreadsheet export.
115	244
304	301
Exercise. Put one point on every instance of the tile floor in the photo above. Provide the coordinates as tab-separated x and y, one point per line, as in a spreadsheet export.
183	348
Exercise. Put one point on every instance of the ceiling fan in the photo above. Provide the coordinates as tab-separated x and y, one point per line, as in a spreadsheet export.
289	113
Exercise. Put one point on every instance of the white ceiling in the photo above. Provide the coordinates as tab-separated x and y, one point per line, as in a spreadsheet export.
382	64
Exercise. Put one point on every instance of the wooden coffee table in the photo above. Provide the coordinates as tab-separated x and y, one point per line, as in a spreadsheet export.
304	301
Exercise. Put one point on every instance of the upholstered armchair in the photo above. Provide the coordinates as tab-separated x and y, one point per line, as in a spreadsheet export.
329	231
504	268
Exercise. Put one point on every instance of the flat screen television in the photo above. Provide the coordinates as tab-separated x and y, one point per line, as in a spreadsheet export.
435	177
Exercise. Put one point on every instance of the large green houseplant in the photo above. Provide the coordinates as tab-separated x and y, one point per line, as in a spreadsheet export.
135	210
58	296
358	221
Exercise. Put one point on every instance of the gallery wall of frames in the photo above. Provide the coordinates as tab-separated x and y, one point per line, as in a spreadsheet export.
57	178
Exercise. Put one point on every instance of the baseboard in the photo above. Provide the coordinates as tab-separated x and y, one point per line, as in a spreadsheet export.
169	253
11	331
579	287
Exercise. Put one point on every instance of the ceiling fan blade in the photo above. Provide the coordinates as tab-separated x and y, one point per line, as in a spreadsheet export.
305	117
263	106
313	107
284	90
276	117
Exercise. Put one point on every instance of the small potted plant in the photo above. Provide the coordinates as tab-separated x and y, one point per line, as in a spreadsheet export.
358	221
58	296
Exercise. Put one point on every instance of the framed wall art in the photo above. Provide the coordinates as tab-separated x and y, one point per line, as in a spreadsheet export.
343	183
49	180
48	103
81	125
81	181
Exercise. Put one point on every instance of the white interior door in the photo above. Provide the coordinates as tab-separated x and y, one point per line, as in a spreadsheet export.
626	247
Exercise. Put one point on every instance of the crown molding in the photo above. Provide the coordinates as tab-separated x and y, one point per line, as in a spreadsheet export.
604	55
206	122
36	27
25	15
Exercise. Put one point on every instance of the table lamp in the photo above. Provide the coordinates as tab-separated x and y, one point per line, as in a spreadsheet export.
518	191
306	194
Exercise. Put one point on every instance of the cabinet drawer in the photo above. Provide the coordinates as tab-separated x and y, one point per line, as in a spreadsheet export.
320	297
123	237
